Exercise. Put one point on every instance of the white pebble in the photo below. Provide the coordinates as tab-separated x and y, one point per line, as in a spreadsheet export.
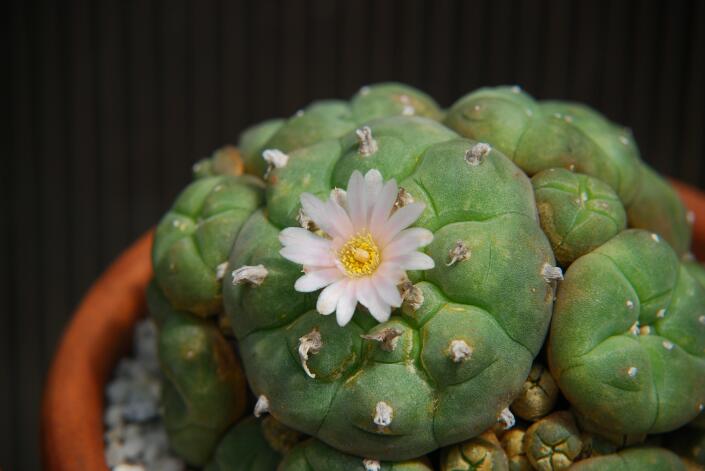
632	371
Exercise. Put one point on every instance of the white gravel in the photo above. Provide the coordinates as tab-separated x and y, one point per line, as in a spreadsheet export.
135	439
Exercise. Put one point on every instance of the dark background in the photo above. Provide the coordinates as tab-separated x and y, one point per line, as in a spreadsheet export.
112	101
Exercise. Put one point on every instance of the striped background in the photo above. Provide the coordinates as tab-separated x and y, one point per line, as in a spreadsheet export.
112	101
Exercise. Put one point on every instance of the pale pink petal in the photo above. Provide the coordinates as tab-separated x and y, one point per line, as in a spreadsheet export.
346	305
384	204
407	241
401	219
326	216
369	298
328	299
357	200
414	261
299	236
387	290
340	218
391	270
303	255
373	183
317	279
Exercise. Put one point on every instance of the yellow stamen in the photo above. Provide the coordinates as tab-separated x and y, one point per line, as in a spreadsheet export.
359	256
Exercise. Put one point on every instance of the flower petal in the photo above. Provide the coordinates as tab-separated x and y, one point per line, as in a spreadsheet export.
373	184
357	200
384	204
407	241
401	219
346	305
328	299
369	298
307	255
414	261
387	290
292	236
340	219
317	279
326	216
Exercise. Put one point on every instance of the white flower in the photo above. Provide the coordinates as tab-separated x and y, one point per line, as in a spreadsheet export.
365	251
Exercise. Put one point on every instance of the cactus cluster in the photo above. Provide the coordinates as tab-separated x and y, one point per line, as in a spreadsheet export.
502	285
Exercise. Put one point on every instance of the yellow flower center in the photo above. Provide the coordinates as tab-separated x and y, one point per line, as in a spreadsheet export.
359	256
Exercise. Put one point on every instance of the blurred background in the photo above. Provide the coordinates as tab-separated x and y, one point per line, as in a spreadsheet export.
111	102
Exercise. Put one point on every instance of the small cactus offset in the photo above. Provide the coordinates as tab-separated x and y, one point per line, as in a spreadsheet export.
204	389
393	277
578	213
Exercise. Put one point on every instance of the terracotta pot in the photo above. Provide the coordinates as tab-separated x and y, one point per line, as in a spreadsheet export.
99	334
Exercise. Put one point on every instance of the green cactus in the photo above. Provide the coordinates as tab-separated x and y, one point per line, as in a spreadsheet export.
244	448
627	344
483	316
578	213
224	161
332	119
538	394
482	453
158	306
252	142
538	136
633	459
313	455
657	207
204	389
512	442
553	443
194	238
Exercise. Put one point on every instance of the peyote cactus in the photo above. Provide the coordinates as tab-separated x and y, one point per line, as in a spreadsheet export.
627	343
553	443
482	453
578	213
399	388
313	455
633	459
194	238
542	135
513	444
538	394
387	275
204	390
244	448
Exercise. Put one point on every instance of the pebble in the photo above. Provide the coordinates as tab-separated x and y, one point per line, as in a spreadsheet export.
135	439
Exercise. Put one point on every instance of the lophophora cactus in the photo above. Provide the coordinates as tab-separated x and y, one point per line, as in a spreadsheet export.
420	237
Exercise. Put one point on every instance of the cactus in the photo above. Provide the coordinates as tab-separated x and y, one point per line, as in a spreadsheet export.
482	453
204	389
513	444
470	328
553	443
194	238
313	455
332	119
244	448
538	394
541	135
421	231
578	213
628	337
633	459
